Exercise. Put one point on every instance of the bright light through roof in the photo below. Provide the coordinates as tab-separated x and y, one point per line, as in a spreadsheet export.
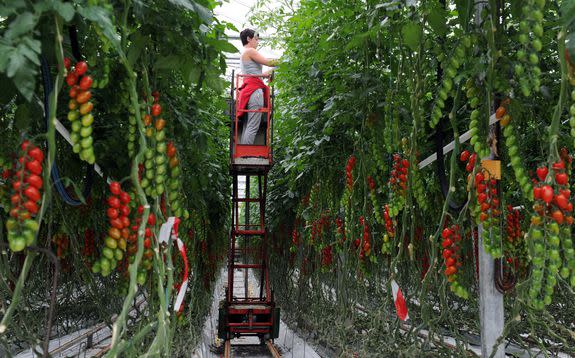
237	12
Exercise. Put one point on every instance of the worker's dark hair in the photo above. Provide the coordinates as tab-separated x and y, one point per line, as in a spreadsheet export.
245	34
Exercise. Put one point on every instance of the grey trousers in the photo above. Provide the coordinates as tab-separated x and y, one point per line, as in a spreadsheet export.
252	125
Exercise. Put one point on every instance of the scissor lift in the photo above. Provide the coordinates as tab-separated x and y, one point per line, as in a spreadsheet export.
248	310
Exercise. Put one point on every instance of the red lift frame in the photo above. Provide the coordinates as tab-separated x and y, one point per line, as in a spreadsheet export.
242	314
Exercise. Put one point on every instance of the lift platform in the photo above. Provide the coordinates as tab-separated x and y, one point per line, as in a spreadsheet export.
249	308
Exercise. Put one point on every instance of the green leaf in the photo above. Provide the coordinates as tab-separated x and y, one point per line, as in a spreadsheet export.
464	10
171	62
22	24
101	17
224	46
15	63
136	47
567	12
29	53
411	33
203	13
22	117
437	19
25	81
66	10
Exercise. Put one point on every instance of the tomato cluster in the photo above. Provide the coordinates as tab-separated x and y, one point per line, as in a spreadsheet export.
89	248
550	234
62	243
452	258
340	235
530	38
155	160
478	119
513	151
80	108
398	183
119	232
25	196
326	256
174	183
148	250
349	171
365	242
513	226
389	232
490	212
450	65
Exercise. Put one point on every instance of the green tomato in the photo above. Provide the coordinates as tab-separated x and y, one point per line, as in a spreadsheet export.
17	243
76	126
87	142
85	132
118	254
96	267
554	228
160	159
73	115
111	243
141	278
29	236
108	253
160	136
87	120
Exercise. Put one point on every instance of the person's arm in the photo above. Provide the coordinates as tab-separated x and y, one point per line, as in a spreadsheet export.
257	57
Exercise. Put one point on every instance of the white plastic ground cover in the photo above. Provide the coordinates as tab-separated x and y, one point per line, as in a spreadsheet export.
289	343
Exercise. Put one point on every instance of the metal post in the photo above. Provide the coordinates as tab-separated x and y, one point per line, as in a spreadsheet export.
490	304
491	312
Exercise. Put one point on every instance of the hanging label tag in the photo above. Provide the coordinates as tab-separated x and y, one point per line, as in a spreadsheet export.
166	230
492	168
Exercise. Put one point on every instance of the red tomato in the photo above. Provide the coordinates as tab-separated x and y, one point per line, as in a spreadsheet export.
537	192
112	213
36	153
35	181
542	173
17	185
31	207
152	220
561	201
32	193
115	188
74	91
124	209
114	202
464	156
148	232
117	223
67	62
451	270
86	82
34	167
547	194
156	109
15	199
446	243
558	216
561	178
83	96
71	79
81	68
24	146
125	221
125	198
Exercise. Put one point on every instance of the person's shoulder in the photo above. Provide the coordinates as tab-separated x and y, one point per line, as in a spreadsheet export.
250	50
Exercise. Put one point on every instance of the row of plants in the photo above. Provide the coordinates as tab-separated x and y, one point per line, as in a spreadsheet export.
378	90
143	101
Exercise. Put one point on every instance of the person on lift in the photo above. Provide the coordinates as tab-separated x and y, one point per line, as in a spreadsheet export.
253	91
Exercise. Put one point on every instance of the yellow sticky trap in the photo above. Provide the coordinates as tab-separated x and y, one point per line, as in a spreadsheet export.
491	168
